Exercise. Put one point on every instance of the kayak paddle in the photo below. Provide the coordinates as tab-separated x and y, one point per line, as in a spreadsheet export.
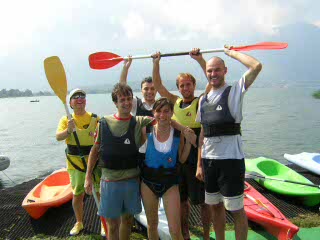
105	60
258	175
58	81
257	201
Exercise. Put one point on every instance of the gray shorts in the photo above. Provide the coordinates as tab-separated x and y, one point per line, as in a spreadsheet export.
118	198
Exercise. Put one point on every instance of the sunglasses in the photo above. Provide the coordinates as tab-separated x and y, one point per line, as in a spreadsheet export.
81	96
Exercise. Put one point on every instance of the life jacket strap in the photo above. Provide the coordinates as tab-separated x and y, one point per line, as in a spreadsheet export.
223	129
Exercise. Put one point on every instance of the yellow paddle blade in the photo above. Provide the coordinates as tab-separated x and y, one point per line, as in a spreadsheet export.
56	77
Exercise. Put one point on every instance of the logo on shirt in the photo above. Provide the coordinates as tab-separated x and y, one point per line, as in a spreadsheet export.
127	141
188	114
219	108
169	160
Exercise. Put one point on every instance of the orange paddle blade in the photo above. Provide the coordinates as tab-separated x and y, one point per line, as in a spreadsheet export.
56	77
261	46
104	60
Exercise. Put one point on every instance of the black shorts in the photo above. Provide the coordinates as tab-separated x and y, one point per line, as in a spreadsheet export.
225	176
189	186
159	189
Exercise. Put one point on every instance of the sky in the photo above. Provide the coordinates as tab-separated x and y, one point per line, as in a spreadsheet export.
72	29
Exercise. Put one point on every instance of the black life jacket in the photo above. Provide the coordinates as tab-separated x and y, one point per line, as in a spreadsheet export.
117	153
216	118
141	110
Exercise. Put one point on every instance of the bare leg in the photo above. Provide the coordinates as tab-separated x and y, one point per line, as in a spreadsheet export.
171	200
219	220
77	204
206	217
125	226
113	228
184	213
150	203
241	224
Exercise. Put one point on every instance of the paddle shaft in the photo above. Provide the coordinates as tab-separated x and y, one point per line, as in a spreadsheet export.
171	54
282	180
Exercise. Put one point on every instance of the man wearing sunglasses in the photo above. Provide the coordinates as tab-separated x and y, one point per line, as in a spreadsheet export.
84	123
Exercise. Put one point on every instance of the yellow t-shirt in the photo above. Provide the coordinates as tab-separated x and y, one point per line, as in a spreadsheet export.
82	122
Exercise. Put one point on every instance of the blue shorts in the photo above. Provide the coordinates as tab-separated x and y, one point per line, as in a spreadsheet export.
118	198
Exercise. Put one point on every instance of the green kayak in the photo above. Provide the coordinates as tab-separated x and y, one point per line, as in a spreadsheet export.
269	168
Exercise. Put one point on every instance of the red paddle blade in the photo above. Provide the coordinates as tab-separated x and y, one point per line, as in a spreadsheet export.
103	60
262	46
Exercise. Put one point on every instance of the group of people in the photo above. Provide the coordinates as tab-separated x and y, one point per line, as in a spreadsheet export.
182	149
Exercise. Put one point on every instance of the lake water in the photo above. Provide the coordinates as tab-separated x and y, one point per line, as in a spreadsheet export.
276	121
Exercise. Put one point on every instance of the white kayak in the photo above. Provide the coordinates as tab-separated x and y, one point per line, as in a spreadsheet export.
163	228
309	161
4	162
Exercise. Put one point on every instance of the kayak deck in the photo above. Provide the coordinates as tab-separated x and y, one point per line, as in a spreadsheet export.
273	169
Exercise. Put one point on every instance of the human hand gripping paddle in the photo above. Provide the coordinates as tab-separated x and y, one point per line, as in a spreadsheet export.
105	60
57	79
257	175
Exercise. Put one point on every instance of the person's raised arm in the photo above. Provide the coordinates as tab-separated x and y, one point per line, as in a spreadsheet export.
253	65
125	69
157	79
196	55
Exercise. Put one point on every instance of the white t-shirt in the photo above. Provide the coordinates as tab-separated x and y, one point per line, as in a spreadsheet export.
225	147
135	105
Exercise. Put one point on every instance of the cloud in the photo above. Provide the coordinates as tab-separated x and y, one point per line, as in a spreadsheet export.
317	23
216	19
134	26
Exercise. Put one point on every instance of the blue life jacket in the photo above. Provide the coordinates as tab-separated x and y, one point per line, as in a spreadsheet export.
156	159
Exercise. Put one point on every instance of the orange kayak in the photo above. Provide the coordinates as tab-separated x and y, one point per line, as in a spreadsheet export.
53	191
263	212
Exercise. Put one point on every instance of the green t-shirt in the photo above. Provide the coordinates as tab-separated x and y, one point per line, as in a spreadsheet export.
118	127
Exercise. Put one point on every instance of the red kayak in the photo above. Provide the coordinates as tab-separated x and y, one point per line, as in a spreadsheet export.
53	191
263	212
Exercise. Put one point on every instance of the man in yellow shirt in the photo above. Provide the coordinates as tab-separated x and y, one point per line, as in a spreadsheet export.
84	123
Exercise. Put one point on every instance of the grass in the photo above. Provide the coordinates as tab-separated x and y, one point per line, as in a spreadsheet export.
316	94
302	220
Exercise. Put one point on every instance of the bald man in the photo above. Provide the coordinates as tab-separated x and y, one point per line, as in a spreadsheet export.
222	158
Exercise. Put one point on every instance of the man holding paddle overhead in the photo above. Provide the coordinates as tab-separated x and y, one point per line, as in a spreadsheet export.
220	114
140	107
185	111
85	124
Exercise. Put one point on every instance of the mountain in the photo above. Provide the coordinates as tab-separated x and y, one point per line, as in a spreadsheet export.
296	65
